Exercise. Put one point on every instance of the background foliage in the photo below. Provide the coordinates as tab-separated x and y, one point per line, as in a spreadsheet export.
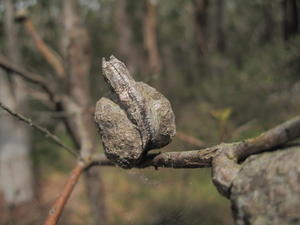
225	94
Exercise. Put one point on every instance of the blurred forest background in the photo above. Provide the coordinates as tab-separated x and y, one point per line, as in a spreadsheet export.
230	69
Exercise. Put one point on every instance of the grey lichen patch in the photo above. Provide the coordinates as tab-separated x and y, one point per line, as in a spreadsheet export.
135	120
267	189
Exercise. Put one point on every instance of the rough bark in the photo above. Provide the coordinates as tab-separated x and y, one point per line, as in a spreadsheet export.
16	177
266	191
226	164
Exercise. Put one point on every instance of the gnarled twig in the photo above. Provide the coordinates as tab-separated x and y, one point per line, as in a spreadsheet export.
238	151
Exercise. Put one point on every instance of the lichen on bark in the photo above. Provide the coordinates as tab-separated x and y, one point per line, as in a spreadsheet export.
267	189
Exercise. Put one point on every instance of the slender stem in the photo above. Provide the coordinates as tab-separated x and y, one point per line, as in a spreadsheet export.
58	206
190	139
185	159
41	129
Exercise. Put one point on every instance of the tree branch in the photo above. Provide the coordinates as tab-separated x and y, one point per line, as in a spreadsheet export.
150	36
99	160
58	206
236	152
226	164
190	139
49	54
185	159
28	76
61	101
42	130
275	137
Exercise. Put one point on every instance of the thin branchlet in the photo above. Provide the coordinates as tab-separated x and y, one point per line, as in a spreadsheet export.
41	129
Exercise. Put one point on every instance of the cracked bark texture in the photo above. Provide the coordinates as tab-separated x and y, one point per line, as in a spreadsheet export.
266	190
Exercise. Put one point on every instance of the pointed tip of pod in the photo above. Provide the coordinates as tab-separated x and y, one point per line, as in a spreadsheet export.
112	57
104	63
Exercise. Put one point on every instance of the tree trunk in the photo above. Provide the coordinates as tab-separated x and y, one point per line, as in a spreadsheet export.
16	175
220	26
290	19
269	21
125	43
201	25
150	36
76	45
267	189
